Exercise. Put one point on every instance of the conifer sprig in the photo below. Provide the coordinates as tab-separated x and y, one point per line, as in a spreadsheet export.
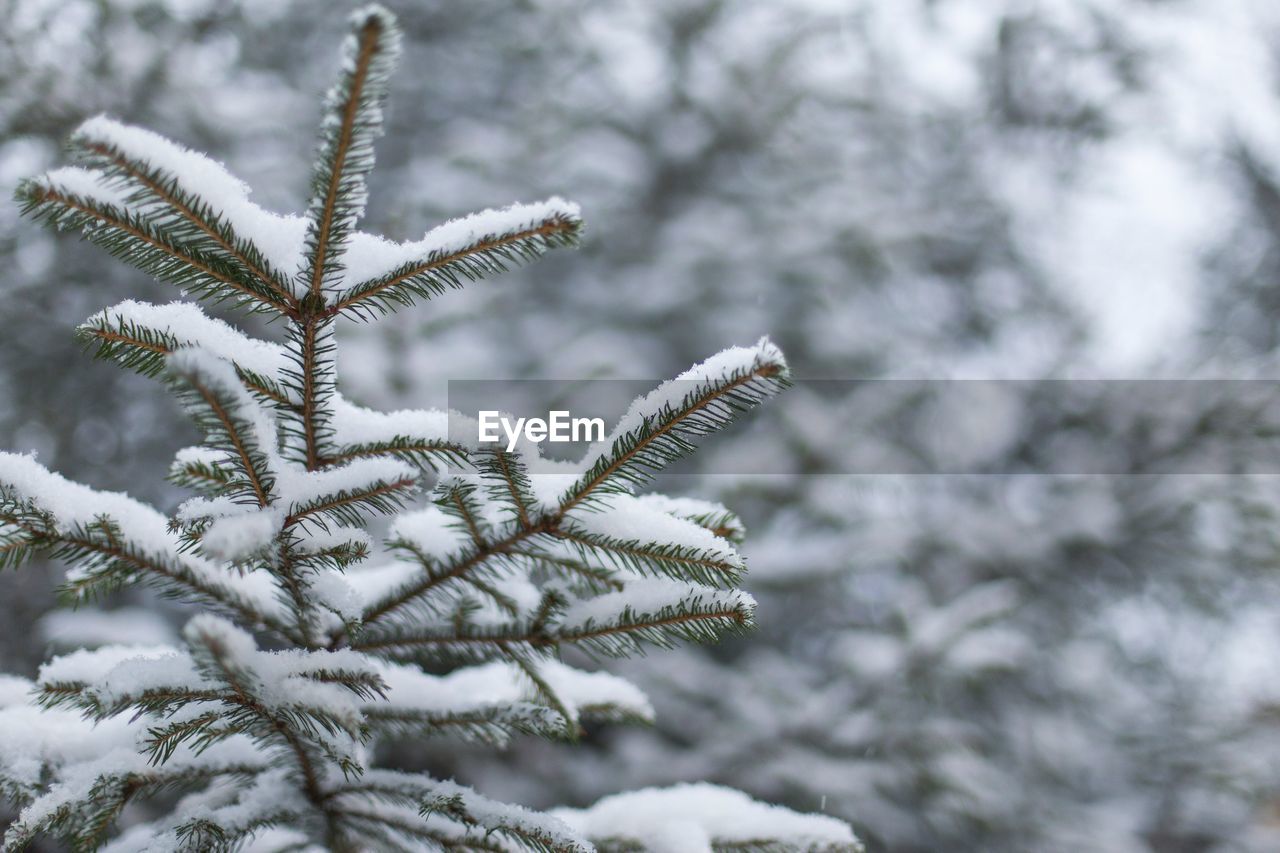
520	235
352	121
657	431
177	209
133	237
141	336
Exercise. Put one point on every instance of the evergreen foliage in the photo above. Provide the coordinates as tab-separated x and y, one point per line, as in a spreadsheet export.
262	727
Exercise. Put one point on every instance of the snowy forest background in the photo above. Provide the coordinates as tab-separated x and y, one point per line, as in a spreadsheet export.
891	189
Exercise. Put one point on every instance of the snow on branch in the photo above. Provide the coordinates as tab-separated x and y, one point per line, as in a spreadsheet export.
223	816
663	425
654	612
140	336
74	776
223	687
440	811
644	612
704	819
85	200
349	493
387	275
719	520
636	535
202	469
112	539
193	200
305	701
490	703
594	512
231	420
429	439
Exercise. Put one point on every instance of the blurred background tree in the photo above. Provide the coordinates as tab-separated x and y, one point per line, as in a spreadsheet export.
892	189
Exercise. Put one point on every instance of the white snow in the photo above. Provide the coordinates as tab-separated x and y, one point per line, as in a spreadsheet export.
200	455
236	537
142	527
432	532
373	583
195	509
489	814
73	504
628	518
116	673
715	372
14	691
83	183
282	677
370	257
213	371
298	487
191	327
32	738
277	839
314	540
354	424
501	684
491	685
278	238
237	809
81	754
648	596
688	818
690	508
332	590
579	690
134	676
87	665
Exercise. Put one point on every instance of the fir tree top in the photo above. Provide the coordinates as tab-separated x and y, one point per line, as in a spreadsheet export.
304	658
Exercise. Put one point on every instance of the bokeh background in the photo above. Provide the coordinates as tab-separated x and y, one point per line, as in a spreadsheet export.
1000	660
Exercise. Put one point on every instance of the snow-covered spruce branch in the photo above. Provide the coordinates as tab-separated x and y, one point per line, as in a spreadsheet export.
80	199
186	215
466	249
260	725
594	514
